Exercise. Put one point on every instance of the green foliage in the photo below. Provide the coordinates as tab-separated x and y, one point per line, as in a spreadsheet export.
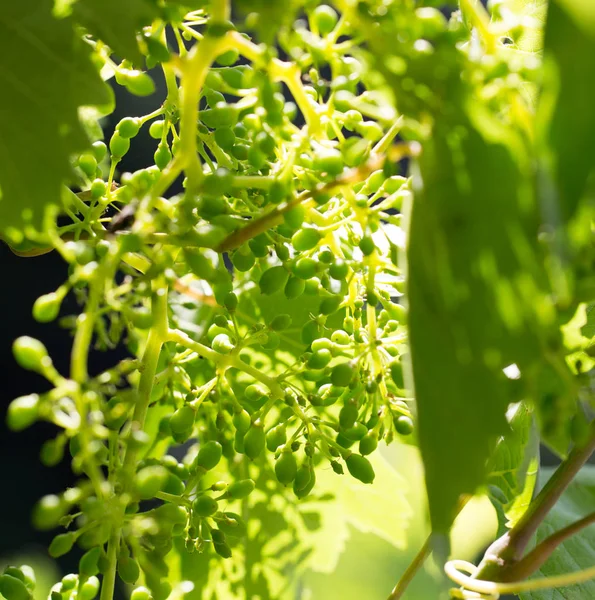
34	131
301	303
577	552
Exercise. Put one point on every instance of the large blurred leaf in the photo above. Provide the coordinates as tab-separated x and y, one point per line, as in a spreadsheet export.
46	74
566	107
478	298
576	553
514	466
116	23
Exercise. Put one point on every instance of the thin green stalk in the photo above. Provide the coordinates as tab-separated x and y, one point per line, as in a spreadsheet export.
148	370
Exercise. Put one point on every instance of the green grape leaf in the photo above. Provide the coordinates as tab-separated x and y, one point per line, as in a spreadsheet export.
364	507
566	120
116	23
46	76
513	467
477	298
576	553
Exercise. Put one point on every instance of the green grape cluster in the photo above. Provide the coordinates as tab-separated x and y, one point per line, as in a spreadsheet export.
261	307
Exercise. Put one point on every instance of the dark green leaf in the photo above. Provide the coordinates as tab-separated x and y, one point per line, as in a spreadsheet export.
576	553
477	295
45	76
116	23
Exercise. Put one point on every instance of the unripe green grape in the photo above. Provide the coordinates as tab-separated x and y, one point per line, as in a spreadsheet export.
356	432
23	412
305	268
99	150
368	443
276	436
240	151
294	288
278	191
31	354
254	441
162	156
225	138
280	323
128	127
174	485
217	183
273	280
404	425
398	313
342	374
52	452
61	544
98	188
139	83
213	97
256	392
150	480
367	245
88	164
305	239
319	359
222	549
209	455
119	145
243	259
256	158
259	246
128	569
232	525
304	481
295	217
222	344
321	344
156	129
286	468
340	337
323	19
370	130
69	582
360	468
240	489
204	506
241	421
330	305
231	301
348	415
47	307
339	270
141	593
171	513
396	373
182	419
89	589
329	161
89	562
48	512
13	589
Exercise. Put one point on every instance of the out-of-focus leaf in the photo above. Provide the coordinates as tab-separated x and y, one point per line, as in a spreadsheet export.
116	23
567	119
45	77
477	295
576	553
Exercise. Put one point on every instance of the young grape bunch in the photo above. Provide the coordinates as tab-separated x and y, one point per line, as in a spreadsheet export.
261	306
